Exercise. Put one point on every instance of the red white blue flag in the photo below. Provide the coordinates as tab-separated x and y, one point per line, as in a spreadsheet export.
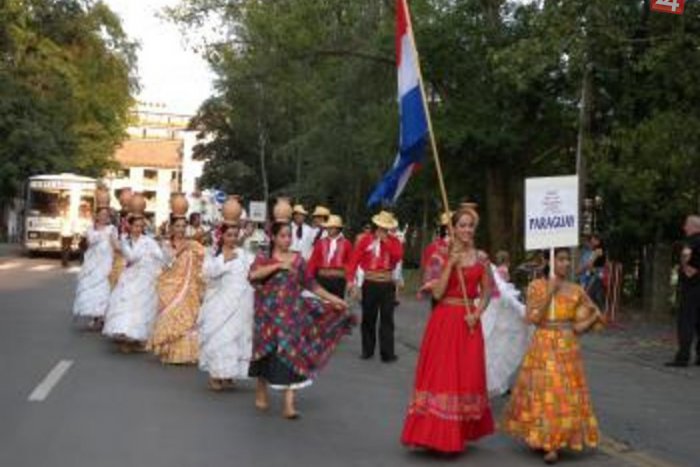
412	113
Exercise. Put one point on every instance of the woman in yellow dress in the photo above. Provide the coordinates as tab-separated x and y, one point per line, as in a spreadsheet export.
174	338
550	407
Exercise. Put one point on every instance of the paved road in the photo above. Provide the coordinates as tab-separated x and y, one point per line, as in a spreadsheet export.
115	410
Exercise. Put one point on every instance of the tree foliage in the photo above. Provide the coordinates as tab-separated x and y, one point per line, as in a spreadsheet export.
66	78
312	82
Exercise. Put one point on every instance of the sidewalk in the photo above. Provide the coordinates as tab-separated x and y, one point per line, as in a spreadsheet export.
10	249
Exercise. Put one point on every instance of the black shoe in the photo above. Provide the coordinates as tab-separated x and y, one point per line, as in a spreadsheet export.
391	359
697	362
676	364
366	356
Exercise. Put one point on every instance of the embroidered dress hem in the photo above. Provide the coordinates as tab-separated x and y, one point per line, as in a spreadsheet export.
277	373
182	352
449	406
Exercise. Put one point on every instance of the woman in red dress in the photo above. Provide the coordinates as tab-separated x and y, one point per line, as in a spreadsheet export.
450	404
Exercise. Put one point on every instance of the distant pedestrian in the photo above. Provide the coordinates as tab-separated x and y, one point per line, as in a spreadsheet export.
689	277
592	268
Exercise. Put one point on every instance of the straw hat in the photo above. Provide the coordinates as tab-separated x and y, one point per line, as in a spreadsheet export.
321	211
385	220
334	222
299	209
445	218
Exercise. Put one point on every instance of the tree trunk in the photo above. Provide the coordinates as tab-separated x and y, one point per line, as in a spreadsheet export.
263	161
657	283
517	194
498	214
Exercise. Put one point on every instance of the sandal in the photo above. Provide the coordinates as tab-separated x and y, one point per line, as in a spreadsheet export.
551	457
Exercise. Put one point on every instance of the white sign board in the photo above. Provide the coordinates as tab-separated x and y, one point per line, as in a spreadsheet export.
257	211
551	212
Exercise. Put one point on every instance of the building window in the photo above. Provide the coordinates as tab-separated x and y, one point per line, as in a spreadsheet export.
150	175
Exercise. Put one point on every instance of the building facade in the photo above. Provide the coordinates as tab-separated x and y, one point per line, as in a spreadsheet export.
156	160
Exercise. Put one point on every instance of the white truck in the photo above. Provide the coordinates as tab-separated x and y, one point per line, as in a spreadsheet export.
57	205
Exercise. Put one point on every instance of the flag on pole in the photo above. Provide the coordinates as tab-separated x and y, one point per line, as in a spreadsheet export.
412	114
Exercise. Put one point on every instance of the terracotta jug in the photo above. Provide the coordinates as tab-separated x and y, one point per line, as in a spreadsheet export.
179	205
282	212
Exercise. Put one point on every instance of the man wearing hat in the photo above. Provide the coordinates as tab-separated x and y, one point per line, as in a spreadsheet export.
330	257
318	218
433	257
377	255
302	233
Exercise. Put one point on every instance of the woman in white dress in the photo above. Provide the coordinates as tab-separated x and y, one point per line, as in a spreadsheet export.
226	316
93	289
134	301
506	335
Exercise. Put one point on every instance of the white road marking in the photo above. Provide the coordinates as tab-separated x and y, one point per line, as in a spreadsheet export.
73	270
10	265
42	391
43	267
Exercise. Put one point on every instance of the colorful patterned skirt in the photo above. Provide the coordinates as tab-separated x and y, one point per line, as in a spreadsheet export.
449	405
292	344
550	407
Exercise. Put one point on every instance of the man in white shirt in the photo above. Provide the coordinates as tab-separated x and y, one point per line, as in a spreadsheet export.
302	233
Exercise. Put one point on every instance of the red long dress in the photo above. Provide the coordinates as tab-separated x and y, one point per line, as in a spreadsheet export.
450	404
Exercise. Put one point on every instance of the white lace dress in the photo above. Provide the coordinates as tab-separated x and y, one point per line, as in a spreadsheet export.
506	336
134	301
93	289
226	317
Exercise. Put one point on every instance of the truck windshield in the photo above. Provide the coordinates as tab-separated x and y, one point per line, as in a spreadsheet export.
48	202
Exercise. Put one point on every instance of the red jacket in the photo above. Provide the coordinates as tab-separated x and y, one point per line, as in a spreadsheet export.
389	254
439	245
321	255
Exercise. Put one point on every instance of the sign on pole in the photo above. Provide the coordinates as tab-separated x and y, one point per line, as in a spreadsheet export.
258	211
675	7
551	212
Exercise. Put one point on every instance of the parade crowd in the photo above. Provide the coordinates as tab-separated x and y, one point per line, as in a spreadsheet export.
271	306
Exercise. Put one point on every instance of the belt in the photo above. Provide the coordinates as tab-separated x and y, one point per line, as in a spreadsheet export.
456	301
378	276
557	325
332	272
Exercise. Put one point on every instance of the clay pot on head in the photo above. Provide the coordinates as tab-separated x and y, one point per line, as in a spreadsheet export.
125	198
469	205
232	210
137	204
102	197
282	212
179	205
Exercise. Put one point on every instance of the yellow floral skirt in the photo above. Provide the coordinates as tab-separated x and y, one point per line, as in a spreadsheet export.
174	338
550	406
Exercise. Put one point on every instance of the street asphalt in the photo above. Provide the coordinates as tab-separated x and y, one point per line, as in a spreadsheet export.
109	409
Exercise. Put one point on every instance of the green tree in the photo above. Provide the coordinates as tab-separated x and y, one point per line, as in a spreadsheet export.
66	71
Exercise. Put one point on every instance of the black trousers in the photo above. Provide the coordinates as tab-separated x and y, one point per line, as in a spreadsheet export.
335	285
66	243
378	300
688	323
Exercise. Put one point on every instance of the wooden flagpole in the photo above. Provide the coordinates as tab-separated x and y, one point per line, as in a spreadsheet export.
433	146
